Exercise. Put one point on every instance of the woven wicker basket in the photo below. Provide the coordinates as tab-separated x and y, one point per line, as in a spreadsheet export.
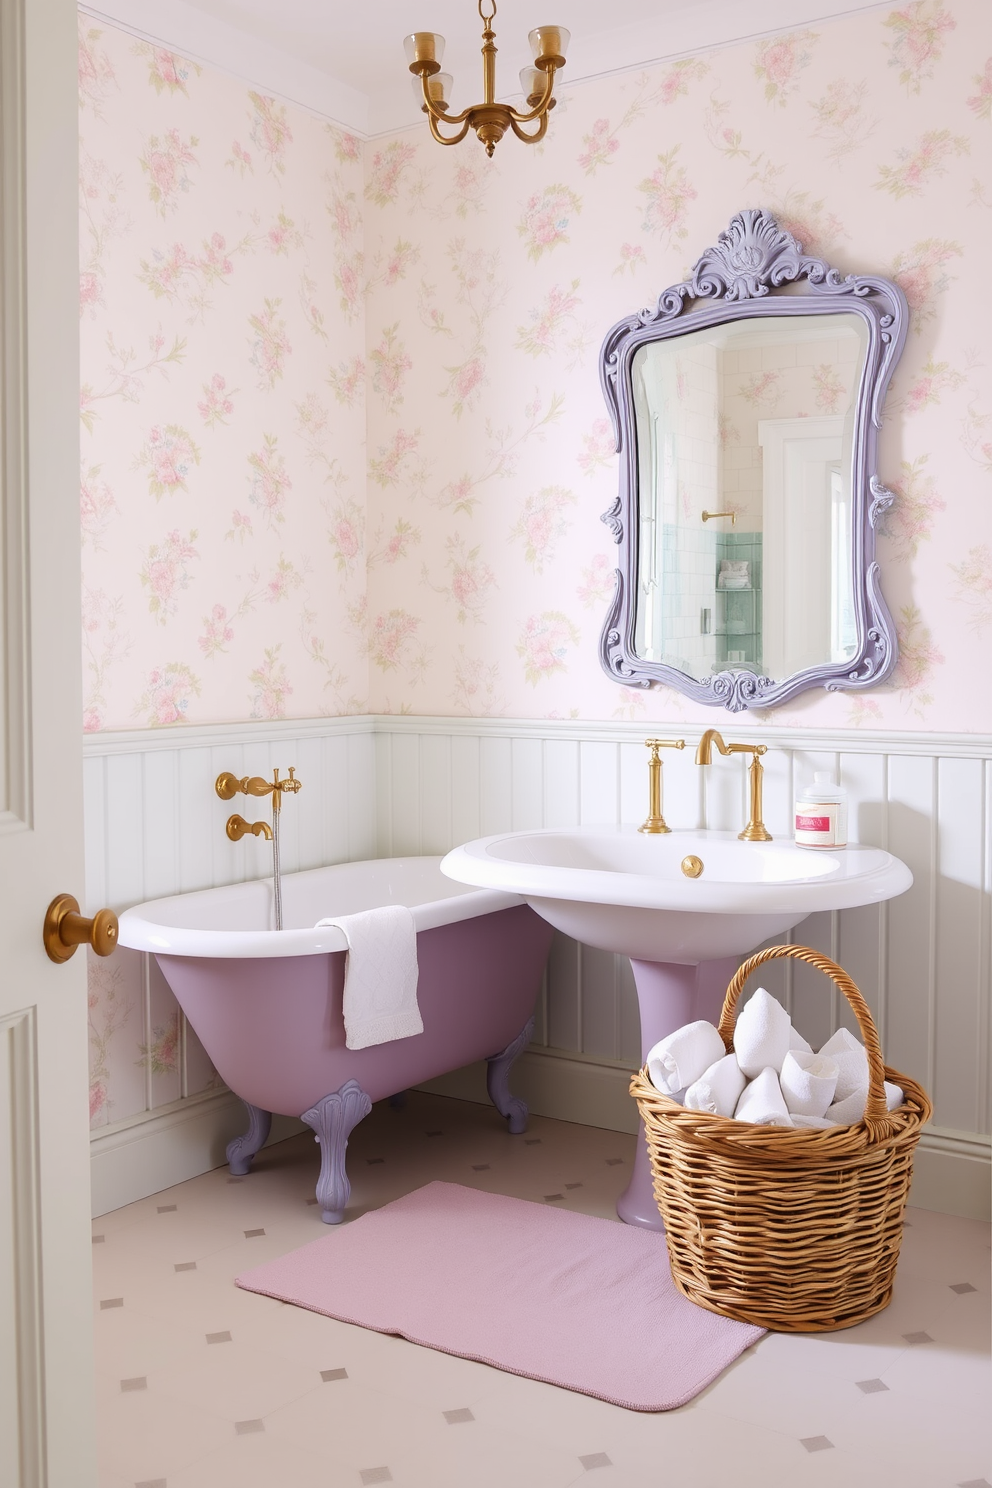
795	1230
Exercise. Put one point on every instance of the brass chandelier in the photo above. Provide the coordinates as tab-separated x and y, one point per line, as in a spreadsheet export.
489	119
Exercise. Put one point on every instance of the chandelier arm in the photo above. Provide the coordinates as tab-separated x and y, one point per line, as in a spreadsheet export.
540	108
433	112
455	138
530	139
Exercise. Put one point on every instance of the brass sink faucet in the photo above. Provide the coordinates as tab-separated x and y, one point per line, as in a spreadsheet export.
755	831
655	821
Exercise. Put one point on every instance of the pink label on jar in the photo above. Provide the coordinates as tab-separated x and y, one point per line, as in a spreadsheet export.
812	824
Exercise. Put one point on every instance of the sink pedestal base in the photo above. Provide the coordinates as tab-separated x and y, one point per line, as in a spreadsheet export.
669	995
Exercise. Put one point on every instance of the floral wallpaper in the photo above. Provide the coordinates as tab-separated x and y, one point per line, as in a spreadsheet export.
343	443
222	397
490	453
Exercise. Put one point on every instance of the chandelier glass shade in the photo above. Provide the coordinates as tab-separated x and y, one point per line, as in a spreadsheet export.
489	119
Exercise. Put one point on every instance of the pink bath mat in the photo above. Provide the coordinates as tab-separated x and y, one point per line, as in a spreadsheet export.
565	1298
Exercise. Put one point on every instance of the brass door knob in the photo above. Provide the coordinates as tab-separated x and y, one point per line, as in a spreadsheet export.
65	929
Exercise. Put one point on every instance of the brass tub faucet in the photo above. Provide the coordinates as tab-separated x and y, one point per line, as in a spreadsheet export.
655	821
755	831
228	786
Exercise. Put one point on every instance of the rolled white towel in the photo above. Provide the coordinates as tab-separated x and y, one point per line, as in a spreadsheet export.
849	1110
761	1038
679	1059
852	1063
808	1082
718	1088
761	1102
796	1041
813	1123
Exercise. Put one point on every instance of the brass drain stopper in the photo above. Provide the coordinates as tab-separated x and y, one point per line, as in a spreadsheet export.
692	866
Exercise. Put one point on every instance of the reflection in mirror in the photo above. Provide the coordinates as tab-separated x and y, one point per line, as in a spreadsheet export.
746	406
744	437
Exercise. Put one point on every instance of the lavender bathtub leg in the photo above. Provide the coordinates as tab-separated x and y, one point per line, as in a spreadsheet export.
333	1119
241	1151
498	1080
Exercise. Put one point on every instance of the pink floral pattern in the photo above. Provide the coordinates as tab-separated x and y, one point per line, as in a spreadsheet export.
168	694
974	586
166	161
918	32
269	344
385	172
167	455
779	61
544	645
546	219
167	72
921	274
542	524
917	167
390	363
669	192
270	681
269	130
165	573
268	481
909	522
980	102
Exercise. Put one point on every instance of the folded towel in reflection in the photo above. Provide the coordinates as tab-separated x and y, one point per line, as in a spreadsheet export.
808	1082
380	978
762	1103
762	1035
681	1057
718	1088
852	1064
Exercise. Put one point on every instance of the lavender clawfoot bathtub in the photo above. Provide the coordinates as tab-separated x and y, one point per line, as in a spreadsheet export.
266	1004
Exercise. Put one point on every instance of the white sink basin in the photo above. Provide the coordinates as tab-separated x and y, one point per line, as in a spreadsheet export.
623	891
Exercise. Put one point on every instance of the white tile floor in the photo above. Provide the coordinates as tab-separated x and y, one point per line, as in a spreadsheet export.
201	1385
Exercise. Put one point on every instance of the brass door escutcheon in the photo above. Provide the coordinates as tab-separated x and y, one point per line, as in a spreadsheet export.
692	866
65	929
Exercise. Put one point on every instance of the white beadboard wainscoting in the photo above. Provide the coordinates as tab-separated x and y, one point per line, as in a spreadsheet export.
402	785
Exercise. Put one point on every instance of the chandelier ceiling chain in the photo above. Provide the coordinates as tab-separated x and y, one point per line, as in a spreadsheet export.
489	119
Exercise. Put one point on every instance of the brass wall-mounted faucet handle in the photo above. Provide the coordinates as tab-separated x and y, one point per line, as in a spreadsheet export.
755	831
237	828
655	822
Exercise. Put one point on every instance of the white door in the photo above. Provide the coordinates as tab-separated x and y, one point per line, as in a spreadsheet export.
799	458
46	1392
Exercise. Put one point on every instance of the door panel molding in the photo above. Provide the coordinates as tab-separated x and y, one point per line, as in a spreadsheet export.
15	710
22	1411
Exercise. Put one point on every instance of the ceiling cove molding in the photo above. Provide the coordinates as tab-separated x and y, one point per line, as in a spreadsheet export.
691	30
213	43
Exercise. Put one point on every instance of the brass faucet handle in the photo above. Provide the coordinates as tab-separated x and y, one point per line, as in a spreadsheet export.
655	744
291	784
254	785
755	749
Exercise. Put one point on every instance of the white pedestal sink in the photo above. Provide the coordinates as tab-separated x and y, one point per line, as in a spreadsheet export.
619	890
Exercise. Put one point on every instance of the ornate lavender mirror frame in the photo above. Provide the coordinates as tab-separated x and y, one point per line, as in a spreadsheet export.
776	589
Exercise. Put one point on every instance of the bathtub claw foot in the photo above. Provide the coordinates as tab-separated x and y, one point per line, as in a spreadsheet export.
242	1149
498	1081
333	1119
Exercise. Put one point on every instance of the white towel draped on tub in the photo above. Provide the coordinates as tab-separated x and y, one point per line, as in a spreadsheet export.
380	978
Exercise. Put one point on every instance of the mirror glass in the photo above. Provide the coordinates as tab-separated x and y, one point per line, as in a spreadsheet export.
745	477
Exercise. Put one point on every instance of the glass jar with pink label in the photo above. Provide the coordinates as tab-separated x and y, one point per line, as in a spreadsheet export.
821	813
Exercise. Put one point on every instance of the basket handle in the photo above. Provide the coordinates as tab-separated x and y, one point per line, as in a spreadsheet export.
877	1118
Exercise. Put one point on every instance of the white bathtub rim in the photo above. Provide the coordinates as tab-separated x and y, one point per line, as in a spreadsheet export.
145	927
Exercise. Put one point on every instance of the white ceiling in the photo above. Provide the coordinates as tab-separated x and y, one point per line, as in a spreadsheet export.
346	60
